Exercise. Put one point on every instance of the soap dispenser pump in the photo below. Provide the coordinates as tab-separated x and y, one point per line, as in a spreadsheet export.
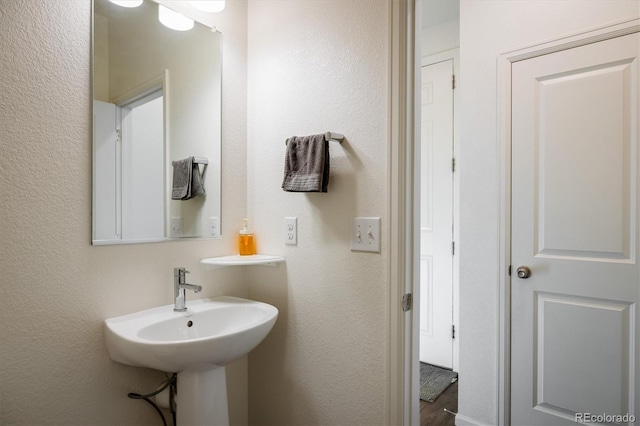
246	241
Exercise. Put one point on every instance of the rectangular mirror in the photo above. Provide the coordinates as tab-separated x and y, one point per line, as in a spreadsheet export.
157	102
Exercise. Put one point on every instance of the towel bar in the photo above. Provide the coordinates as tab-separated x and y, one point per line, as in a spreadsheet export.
330	136
205	162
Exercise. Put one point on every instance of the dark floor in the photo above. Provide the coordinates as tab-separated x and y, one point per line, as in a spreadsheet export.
433	414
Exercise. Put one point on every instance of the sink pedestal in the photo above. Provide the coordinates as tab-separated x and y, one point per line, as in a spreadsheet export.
202	397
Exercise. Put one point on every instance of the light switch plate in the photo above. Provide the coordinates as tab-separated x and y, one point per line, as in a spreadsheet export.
291	231
365	234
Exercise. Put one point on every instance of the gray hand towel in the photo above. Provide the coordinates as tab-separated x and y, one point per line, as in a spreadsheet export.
187	181
306	166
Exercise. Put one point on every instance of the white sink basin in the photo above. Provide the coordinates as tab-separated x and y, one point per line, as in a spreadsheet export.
212	333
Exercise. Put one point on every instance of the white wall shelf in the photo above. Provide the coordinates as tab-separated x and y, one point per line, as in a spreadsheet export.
237	260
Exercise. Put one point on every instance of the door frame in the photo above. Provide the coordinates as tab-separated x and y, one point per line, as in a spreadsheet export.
504	105
403	203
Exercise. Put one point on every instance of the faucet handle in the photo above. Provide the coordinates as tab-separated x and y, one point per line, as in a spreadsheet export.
180	271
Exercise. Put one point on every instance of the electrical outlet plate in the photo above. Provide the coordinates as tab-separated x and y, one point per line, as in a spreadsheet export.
176	227
365	234
291	231
214	226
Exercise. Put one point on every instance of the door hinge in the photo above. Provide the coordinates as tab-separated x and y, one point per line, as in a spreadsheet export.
453	248
407	302
509	270
453	331
453	81
453	164
118	136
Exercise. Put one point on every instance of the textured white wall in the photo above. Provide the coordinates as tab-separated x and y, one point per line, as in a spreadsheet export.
56	288
488	29
314	66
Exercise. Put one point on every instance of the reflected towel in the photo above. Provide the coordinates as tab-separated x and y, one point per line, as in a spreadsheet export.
187	180
306	166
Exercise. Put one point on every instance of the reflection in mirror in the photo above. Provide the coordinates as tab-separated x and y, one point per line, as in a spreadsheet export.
157	100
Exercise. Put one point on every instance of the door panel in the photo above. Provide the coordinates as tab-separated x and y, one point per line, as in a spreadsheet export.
436	260
574	326
590	141
565	346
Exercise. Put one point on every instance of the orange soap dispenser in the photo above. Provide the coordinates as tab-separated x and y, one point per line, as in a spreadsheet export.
246	241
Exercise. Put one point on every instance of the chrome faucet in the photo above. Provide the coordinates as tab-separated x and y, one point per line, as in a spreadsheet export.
179	285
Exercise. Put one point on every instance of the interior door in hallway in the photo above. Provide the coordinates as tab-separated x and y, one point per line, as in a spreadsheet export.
574	234
436	222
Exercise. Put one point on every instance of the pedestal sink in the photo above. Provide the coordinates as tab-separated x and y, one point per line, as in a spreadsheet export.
196	344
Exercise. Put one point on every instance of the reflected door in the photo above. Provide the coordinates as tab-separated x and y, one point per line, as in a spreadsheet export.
574	328
128	173
436	222
143	198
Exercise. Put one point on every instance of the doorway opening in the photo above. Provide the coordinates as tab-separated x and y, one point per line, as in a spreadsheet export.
438	277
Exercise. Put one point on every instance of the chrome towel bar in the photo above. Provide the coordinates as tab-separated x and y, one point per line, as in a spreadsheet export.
330	136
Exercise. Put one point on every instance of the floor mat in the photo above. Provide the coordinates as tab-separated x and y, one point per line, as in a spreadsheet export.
434	380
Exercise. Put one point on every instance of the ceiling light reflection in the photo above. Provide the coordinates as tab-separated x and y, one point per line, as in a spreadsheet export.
127	3
174	20
210	6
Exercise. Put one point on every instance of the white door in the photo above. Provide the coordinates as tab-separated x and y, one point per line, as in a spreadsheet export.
436	257
574	325
143	171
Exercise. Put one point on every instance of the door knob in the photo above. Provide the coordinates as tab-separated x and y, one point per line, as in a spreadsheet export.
523	272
